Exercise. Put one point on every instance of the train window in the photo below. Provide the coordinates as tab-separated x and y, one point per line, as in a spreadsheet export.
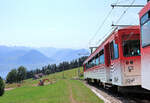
144	18
116	54
89	64
114	50
86	66
102	59
145	34
97	60
93	62
131	48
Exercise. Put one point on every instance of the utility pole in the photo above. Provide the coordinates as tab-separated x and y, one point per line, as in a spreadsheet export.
63	76
78	67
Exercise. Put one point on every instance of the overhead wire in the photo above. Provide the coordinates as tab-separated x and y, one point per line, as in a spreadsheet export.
124	12
109	31
101	25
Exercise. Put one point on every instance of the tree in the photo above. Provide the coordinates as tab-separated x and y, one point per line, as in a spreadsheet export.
21	75
12	76
2	86
30	74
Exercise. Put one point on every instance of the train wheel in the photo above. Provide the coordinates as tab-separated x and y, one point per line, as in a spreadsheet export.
88	80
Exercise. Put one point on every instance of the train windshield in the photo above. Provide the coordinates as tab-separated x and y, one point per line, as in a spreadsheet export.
131	48
145	29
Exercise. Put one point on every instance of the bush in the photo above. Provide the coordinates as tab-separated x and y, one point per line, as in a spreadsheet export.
2	86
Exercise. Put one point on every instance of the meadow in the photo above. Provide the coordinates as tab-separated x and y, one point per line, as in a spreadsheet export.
62	89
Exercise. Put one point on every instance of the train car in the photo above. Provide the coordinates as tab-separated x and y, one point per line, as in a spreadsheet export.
117	60
145	45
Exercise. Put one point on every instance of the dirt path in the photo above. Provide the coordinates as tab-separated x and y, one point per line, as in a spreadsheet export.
7	89
71	95
72	100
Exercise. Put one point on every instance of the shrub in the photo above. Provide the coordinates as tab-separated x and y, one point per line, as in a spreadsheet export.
2	86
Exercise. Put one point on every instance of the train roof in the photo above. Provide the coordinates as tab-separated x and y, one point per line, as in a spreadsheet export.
115	32
145	9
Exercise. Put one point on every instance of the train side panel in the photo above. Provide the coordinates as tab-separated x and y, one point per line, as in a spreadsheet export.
145	62
116	73
145	48
100	74
132	72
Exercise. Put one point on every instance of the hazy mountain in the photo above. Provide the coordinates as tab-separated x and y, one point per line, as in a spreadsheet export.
68	54
13	57
63	54
23	57
6	49
48	51
33	57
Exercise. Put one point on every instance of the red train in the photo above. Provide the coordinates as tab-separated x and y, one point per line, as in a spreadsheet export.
116	62
145	45
123	59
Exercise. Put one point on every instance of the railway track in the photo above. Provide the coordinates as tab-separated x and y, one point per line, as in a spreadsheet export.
111	97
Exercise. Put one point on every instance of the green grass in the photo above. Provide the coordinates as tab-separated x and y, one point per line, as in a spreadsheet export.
54	93
62	91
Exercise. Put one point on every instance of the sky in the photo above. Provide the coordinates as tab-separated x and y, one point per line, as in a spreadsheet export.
59	23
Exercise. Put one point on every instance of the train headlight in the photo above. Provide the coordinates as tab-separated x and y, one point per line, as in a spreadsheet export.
130	68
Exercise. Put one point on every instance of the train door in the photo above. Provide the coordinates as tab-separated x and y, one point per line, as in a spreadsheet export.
107	61
115	68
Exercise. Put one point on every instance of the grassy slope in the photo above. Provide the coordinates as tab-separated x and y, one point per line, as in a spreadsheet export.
62	91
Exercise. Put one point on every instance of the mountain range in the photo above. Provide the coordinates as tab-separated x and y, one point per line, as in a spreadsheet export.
12	57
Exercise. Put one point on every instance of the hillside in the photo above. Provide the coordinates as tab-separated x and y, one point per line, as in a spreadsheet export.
60	90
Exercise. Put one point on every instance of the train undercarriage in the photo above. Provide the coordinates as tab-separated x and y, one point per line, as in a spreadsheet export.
118	89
